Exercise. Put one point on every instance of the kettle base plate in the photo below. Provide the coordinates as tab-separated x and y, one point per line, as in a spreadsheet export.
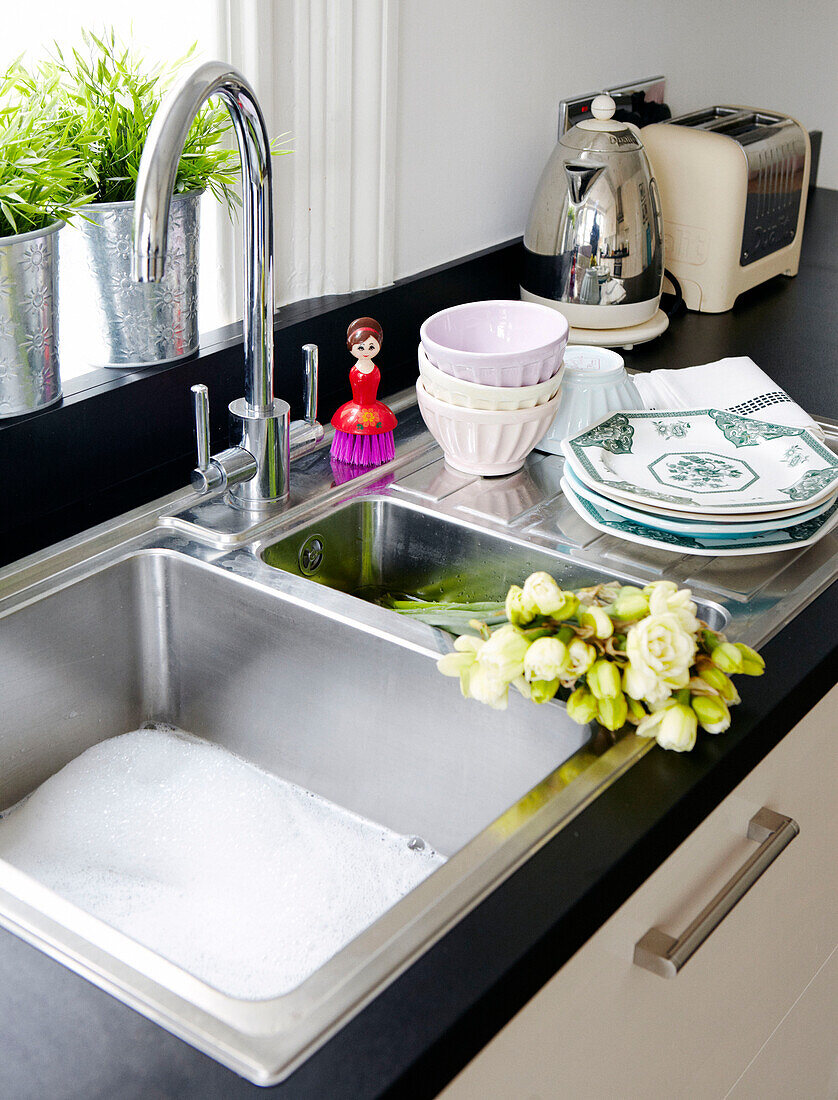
621	337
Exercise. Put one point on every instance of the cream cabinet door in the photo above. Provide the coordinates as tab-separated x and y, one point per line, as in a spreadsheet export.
604	1028
796	1061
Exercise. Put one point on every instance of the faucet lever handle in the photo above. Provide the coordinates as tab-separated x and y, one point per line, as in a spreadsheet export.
201	398
229	467
311	381
307	434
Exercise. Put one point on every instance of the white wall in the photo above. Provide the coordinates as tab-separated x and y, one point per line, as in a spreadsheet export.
480	82
477	87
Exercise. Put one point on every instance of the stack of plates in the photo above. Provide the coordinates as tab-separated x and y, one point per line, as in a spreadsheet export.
702	481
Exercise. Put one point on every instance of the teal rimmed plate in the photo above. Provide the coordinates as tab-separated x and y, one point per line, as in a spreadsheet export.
686	525
770	542
704	461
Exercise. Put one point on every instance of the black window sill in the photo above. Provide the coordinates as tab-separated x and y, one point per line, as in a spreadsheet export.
121	438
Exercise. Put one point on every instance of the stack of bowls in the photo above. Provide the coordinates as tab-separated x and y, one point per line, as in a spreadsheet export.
490	381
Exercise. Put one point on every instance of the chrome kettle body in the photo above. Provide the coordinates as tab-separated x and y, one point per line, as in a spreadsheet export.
593	248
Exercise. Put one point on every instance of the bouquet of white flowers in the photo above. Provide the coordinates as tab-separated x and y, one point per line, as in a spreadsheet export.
624	654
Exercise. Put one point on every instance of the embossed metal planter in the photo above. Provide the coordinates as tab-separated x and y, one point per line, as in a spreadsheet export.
134	324
29	376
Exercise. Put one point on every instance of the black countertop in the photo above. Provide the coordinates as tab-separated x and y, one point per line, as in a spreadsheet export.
62	1037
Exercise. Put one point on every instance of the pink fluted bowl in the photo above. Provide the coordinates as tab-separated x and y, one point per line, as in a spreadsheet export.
496	343
478	441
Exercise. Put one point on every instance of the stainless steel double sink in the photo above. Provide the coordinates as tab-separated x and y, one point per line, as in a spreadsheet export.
257	637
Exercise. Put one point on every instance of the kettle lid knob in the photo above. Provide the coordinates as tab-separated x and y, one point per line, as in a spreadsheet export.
601	118
603	106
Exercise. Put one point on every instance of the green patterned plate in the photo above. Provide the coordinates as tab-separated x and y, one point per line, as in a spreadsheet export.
703	461
683	524
771	542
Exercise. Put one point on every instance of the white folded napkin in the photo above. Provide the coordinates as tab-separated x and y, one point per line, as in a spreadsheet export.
735	384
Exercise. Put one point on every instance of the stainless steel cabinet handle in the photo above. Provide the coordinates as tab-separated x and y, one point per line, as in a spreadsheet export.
664	954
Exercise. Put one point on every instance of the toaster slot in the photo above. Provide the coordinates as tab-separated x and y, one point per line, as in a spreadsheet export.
739	128
711	118
734	122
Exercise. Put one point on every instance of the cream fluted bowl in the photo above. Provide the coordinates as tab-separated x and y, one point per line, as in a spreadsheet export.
485	442
471	395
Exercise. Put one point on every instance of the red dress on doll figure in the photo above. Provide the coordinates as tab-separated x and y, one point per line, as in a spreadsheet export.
364	415
364	426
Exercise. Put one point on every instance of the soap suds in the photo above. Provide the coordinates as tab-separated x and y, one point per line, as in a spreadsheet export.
243	879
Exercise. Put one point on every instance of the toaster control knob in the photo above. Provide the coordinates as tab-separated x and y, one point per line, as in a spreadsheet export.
603	106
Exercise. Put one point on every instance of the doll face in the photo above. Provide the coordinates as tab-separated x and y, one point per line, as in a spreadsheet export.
366	349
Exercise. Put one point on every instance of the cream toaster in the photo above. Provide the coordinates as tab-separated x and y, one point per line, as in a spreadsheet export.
733	184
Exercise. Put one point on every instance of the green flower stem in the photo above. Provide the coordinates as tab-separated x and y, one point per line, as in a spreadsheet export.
481	628
533	633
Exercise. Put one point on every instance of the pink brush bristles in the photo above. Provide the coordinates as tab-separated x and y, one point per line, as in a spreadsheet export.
363	450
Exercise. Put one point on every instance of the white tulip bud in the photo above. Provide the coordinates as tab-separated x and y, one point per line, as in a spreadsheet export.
503	653
582	655
674	727
542	593
597	619
546	659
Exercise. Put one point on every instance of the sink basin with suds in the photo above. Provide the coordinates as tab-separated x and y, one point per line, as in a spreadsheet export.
158	637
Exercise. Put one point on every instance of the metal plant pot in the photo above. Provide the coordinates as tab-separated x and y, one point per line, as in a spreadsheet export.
133	324
29	376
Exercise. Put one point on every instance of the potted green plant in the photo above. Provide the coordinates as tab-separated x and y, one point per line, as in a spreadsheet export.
110	97
41	183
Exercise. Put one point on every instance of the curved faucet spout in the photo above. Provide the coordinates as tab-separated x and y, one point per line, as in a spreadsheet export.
155	183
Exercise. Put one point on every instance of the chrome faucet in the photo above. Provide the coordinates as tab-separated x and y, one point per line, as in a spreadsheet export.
256	466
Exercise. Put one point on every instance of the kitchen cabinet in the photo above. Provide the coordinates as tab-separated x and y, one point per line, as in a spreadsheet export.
738	1011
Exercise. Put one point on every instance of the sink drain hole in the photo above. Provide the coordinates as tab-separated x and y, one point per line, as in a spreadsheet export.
310	556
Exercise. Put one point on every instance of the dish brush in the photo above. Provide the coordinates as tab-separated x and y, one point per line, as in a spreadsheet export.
364	426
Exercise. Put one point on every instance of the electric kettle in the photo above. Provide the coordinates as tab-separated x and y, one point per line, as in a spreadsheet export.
593	248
